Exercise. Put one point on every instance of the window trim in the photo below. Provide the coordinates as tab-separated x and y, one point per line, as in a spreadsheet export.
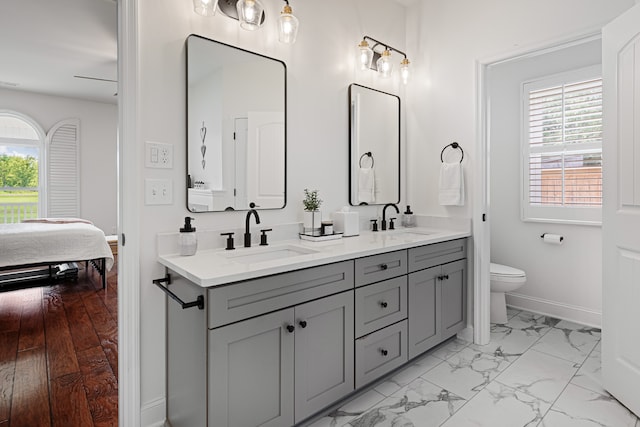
591	216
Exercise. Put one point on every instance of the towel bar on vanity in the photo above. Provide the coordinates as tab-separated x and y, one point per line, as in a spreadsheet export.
453	145
199	302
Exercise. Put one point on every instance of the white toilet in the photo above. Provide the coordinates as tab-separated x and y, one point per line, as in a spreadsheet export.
503	279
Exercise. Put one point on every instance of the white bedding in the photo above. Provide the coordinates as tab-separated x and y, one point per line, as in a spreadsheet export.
30	243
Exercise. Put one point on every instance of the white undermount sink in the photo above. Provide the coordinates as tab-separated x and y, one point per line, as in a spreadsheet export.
269	253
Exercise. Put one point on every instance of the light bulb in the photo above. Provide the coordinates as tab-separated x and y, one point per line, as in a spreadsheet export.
365	55
385	67
288	26
405	73
250	14
205	7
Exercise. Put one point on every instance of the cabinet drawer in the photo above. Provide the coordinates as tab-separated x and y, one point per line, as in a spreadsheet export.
380	305
238	301
436	254
381	267
380	352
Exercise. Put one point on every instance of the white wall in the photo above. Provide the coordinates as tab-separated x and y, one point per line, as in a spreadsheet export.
98	133
320	67
444	41
565	281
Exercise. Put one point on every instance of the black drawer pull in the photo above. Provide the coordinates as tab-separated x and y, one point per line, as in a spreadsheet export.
384	352
445	277
383	304
303	324
291	328
383	266
199	302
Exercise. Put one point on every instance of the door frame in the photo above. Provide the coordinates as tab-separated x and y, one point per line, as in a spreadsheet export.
129	410
482	203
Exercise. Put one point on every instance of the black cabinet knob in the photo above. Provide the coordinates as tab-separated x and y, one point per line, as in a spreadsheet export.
383	304
303	324
291	328
383	266
383	352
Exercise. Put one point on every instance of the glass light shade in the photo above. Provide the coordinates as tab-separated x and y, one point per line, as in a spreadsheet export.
287	26
365	55
250	14
385	67
205	7
405	73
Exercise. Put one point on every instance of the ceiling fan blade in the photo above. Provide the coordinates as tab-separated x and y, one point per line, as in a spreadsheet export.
96	78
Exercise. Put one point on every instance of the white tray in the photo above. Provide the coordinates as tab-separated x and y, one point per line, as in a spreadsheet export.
333	236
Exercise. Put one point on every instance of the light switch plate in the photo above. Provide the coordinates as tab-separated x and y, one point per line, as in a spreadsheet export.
158	191
158	155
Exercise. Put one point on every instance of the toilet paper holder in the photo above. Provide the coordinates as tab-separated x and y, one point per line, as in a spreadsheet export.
544	234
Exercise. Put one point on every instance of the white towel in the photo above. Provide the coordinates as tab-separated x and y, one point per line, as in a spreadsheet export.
451	184
366	185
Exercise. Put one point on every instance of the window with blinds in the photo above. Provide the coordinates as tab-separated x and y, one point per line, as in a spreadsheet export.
562	147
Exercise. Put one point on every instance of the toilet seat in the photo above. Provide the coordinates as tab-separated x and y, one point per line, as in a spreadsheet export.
504	273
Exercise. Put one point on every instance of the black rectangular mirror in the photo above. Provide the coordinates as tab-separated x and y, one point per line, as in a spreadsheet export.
374	146
236	128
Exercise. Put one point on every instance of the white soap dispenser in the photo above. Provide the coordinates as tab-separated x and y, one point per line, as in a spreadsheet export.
188	241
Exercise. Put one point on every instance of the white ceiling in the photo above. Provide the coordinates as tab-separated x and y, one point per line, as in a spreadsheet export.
44	43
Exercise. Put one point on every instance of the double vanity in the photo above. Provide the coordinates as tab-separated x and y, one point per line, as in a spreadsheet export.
272	335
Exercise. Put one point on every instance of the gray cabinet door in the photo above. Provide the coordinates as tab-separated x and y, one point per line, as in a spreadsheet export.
251	372
323	353
424	310
454	298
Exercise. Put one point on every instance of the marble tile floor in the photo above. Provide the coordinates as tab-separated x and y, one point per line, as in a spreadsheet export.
536	371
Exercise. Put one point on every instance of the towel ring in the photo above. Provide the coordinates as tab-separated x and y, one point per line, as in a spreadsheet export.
368	153
453	145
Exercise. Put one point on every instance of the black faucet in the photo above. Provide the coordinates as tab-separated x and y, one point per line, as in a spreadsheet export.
247	234
384	216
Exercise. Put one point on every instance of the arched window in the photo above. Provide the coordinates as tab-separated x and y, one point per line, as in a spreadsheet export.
22	168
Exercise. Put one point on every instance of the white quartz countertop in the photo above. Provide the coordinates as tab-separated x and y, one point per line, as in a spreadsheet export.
217	267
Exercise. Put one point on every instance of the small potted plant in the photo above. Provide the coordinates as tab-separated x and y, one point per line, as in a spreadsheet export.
312	215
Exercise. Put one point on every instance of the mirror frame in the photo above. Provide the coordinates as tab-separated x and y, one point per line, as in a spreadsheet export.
284	69
351	158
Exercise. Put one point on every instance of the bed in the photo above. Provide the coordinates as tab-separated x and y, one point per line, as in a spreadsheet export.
52	241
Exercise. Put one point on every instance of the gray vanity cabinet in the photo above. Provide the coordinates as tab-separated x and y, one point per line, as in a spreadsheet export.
275	350
437	305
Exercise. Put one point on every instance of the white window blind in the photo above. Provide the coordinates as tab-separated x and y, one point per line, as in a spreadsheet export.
63	170
562	148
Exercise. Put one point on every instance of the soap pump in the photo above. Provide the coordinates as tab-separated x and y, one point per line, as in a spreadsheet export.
408	220
188	241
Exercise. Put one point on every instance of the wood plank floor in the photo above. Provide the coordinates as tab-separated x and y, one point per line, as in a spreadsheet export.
59	354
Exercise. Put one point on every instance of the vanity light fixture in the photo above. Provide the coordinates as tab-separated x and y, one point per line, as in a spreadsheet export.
380	59
205	7
251	15
287	25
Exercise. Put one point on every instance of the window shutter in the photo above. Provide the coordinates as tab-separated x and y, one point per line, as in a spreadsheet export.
63	170
565	144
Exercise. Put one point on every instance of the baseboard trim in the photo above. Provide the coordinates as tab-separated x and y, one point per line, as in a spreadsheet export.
466	334
573	313
154	413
